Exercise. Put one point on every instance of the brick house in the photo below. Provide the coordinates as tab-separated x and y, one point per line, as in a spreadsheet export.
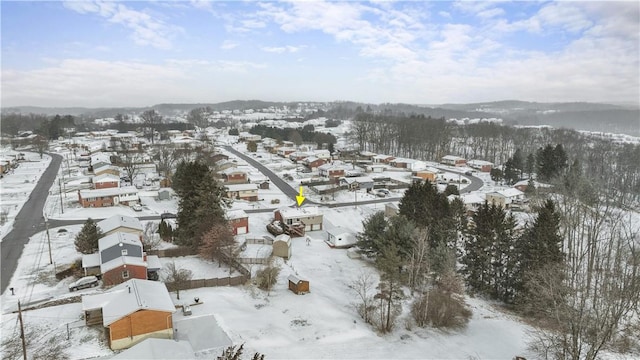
452	160
233	176
484	166
425	175
108	197
131	312
313	162
105	181
331	171
217	157
239	221
120	257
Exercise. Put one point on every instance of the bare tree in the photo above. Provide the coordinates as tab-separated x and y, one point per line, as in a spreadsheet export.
217	243
41	144
165	159
151	119
363	286
268	276
586	301
129	160
176	278
418	265
150	238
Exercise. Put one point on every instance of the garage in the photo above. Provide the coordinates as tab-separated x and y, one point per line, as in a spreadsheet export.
316	227
242	230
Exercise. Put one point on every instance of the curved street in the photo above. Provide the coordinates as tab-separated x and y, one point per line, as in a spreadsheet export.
28	222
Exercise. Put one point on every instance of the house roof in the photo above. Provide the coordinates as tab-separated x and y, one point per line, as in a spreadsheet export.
153	262
283	237
241	187
118	221
383	157
358	179
452	157
236	214
330	167
117	238
126	298
311	159
301	212
339	230
478	163
230	171
105	167
153	348
108	192
120	261
90	260
294	279
510	192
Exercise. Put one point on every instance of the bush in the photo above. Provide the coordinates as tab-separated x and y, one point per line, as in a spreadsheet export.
267	277
440	309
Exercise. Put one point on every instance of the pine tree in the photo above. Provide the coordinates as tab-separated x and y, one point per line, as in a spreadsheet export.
518	161
511	172
369	241
87	239
530	165
539	247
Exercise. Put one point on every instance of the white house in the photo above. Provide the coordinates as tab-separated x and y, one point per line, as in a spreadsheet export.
340	238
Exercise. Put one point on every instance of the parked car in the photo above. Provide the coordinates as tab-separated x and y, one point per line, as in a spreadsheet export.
136	207
83	283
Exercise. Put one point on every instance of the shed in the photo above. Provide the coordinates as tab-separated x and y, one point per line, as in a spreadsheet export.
164	194
282	246
297	285
340	238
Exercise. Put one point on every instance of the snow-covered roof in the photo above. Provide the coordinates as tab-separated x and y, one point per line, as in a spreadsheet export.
153	348
283	237
382	157
105	167
472	198
153	262
535	183
311	159
126	298
122	260
452	157
358	179
90	260
510	192
479	163
117	238
339	230
294	279
108	192
367	153
230	171
241	187
118	221
301	212
327	167
236	214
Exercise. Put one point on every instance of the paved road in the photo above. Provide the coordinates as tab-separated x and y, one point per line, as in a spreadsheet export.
28	222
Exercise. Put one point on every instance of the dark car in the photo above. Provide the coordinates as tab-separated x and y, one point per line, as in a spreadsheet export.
167	215
83	283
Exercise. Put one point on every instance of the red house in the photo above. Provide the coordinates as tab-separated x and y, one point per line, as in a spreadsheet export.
239	221
234	176
105	181
313	162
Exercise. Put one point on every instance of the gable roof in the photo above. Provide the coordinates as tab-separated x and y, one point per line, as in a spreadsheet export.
117	221
153	348
236	214
117	238
105	178
241	187
126	298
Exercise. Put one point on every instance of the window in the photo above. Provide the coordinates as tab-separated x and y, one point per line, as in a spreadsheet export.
124	252
125	274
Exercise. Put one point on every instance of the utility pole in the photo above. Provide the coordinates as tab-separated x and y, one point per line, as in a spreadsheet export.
60	190
46	222
24	345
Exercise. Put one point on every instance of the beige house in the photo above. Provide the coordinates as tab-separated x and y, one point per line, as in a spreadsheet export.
247	192
121	223
505	198
310	216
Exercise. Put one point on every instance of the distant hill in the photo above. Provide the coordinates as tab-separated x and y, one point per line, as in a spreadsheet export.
574	115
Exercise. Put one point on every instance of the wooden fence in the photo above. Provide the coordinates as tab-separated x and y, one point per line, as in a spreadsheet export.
198	283
173	252
266	240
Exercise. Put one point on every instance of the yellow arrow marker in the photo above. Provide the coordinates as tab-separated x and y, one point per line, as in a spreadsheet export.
300	197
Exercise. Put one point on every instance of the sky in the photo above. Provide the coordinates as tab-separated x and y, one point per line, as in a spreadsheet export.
141	53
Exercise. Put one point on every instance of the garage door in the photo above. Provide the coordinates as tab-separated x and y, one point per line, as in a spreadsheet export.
242	230
307	228
316	227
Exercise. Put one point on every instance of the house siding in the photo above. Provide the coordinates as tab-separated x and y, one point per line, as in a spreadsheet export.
138	326
114	276
239	223
106	184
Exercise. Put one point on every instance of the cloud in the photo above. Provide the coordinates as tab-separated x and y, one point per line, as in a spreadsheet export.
282	49
146	30
228	45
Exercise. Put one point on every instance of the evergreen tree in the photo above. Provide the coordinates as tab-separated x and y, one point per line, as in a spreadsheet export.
488	259
496	174
530	165
511	172
389	263
539	247
559	160
400	232
370	240
252	146
518	161
201	202
331	148
87	239
451	190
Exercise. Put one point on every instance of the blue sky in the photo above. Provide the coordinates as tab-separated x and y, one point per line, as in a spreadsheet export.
102	53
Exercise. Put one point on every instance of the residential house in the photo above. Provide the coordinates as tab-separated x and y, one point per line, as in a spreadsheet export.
310	216
121	223
382	159
217	157
331	171
105	181
131	312
484	166
298	156
452	160
359	182
472	201
106	169
322	154
247	192
425	175
108	197
376	168
285	151
221	165
409	164
313	162
366	155
245	136
239	221
505	197
234	176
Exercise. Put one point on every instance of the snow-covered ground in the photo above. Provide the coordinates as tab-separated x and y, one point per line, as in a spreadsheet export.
16	186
